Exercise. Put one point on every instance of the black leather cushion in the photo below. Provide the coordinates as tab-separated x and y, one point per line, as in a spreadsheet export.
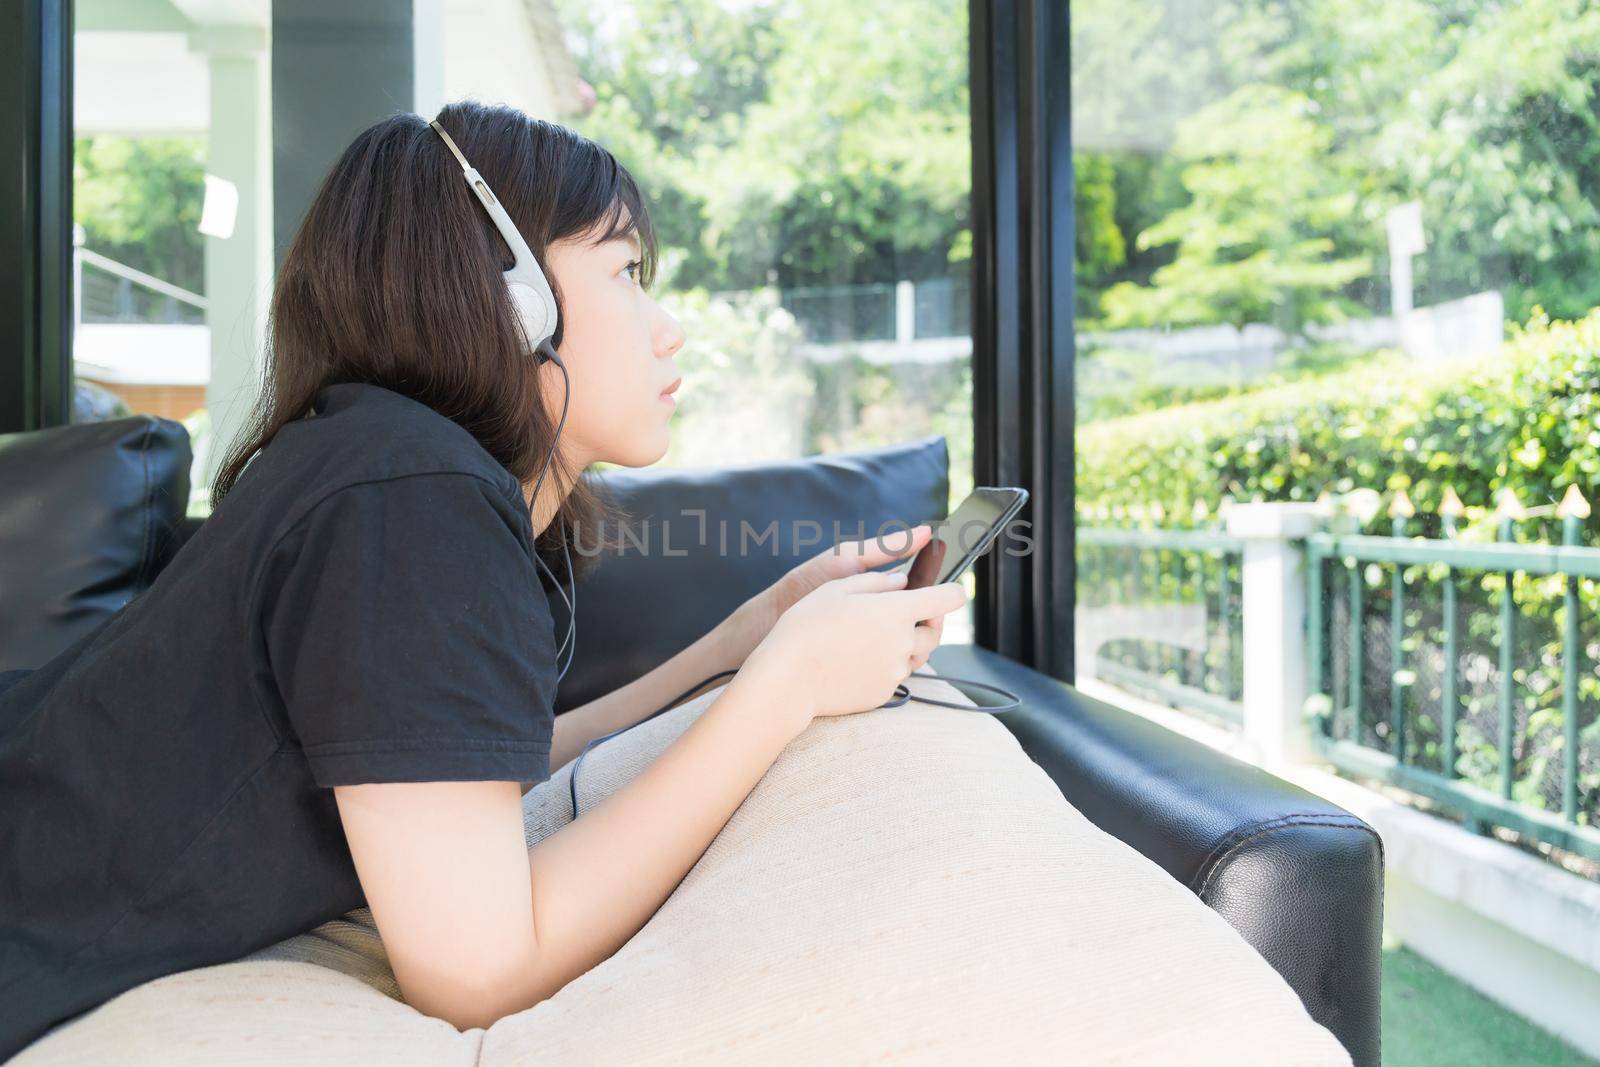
87	516
653	597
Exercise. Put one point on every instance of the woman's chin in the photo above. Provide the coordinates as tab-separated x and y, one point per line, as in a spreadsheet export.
646	451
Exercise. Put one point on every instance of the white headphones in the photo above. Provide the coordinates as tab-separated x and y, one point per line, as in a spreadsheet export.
530	292
536	312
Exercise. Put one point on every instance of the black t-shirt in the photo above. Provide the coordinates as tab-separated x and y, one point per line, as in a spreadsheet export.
362	607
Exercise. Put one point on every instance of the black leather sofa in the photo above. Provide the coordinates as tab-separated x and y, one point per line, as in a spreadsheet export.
91	513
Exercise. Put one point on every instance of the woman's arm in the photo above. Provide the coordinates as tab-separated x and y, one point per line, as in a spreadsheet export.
449	879
724	648
477	927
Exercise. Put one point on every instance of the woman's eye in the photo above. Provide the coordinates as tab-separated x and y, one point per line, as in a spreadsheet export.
633	265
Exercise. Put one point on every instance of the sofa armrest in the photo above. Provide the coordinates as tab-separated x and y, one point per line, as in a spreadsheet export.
85	527
1298	877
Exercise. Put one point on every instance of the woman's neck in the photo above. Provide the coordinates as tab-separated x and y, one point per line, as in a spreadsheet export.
543	511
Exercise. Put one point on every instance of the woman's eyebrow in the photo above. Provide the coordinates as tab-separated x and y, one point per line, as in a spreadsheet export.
626	237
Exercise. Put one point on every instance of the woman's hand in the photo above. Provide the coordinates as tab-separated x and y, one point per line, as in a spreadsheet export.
844	646
755	618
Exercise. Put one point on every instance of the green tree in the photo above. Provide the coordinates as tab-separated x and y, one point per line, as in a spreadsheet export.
1486	113
797	143
1252	241
1503	149
138	200
1101	247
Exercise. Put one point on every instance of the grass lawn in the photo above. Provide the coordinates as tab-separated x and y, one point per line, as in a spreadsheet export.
1430	1018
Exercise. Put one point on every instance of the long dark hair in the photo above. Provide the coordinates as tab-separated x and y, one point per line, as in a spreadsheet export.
394	278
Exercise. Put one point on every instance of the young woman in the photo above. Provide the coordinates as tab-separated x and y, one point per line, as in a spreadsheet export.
340	688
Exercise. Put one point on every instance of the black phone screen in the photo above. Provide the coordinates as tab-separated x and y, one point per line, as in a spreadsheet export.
959	540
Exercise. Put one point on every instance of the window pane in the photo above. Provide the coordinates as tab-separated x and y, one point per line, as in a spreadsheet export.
1340	257
807	164
809	170
173	172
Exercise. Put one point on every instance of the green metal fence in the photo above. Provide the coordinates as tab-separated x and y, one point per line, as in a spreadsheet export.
1131	566
1453	617
1339	736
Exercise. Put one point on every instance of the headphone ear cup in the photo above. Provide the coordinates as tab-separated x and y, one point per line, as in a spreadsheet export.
537	317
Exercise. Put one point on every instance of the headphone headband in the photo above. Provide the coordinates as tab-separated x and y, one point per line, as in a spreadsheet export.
451	145
530	292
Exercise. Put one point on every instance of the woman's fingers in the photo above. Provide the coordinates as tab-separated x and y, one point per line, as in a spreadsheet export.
853	557
870	582
876	551
931	601
923	641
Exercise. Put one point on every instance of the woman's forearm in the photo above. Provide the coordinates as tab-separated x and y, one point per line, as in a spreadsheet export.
724	648
598	879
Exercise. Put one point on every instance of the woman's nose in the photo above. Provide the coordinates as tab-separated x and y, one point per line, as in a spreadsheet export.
670	337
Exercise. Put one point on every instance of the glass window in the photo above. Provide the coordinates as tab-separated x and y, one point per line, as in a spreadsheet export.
809	166
1335	269
172	210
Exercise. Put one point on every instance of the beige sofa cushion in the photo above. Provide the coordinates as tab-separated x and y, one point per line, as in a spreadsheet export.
902	885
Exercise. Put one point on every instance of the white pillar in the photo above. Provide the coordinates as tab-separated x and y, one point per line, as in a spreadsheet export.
238	268
427	56
1274	598
905	312
1406	239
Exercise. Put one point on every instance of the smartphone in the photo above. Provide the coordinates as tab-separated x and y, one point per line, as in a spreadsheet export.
959	540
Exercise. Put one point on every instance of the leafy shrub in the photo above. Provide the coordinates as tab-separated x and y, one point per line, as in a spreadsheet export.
1522	418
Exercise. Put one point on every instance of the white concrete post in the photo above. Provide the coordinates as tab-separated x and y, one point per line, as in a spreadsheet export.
905	312
427	56
239	268
1274	611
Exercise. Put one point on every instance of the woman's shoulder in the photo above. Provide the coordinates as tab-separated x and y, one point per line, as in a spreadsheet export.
359	434
378	432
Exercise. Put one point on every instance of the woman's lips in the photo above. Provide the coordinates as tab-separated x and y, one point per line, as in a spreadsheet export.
666	394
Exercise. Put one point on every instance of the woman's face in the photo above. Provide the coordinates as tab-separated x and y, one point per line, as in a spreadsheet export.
617	344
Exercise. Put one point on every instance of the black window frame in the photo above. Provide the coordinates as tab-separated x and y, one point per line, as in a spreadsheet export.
1022	287
36	233
1023	331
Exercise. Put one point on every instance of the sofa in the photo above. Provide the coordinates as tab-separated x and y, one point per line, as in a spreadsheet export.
1274	895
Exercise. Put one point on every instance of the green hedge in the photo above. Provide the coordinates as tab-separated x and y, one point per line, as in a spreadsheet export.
1522	417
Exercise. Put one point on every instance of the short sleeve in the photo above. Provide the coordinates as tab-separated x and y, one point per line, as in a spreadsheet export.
409	637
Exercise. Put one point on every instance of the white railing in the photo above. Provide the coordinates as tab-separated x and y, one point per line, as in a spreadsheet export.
122	292
132	328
